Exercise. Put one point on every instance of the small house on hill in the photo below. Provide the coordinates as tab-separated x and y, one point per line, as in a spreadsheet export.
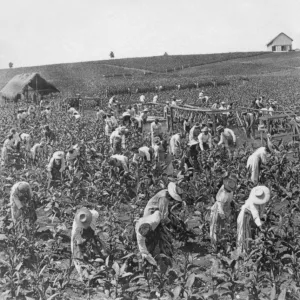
23	84
281	43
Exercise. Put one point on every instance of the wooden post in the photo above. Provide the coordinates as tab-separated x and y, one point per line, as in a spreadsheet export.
170	126
214	123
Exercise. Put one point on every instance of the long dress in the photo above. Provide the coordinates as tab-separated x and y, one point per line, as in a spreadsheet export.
249	213
220	207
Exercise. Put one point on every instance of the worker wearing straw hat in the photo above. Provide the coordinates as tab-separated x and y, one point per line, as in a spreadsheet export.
155	129
221	210
83	236
204	139
252	210
21	203
160	201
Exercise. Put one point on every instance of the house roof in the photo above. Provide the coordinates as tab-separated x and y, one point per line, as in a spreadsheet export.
277	37
18	84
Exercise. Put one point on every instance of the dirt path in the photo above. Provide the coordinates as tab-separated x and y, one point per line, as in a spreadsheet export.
133	69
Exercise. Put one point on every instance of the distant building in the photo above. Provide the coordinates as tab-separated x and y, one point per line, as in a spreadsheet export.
281	43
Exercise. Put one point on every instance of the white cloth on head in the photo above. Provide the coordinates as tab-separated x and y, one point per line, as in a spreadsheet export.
175	144
204	139
122	160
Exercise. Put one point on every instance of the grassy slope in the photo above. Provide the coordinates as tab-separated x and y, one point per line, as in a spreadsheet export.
87	77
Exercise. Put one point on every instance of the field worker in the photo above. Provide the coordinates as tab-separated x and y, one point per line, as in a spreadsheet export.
204	139
255	160
201	95
16	138
72	154
155	98
111	101
46	113
126	118
271	109
156	144
42	103
175	143
21	116
249	123
76	116
100	114
227	138
221	210
252	210
84	239
173	100
114	121
31	111
119	132
160	201
21	203
142	98
26	140
144	152
223	106
155	130
7	148
215	105
49	135
166	109
144	115
194	132
108	128
37	151
144	229
120	161
186	126
71	110
56	167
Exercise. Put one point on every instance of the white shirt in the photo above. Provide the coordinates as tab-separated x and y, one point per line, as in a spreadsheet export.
122	160
142	98
25	137
155	98
202	138
155	128
225	135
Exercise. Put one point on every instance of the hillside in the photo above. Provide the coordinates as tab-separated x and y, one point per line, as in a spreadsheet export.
94	76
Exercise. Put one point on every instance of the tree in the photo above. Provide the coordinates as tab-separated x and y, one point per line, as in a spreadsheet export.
166	54
111	55
10	65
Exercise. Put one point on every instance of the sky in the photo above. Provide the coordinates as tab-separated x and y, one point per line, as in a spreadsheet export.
39	32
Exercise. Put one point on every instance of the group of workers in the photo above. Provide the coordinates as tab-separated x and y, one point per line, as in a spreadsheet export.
157	214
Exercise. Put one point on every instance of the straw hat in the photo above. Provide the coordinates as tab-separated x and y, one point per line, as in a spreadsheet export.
83	218
58	155
172	189
126	114
223	102
230	182
204	129
260	195
197	125
145	110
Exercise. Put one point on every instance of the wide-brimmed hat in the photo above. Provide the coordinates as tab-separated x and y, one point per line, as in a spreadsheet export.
58	155
146	110
260	195
204	129
223	102
172	189
125	114
83	218
230	182
197	125
220	127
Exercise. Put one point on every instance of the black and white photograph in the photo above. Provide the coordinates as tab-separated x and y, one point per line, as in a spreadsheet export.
150	150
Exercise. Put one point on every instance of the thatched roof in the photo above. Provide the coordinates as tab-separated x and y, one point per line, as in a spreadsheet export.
19	83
